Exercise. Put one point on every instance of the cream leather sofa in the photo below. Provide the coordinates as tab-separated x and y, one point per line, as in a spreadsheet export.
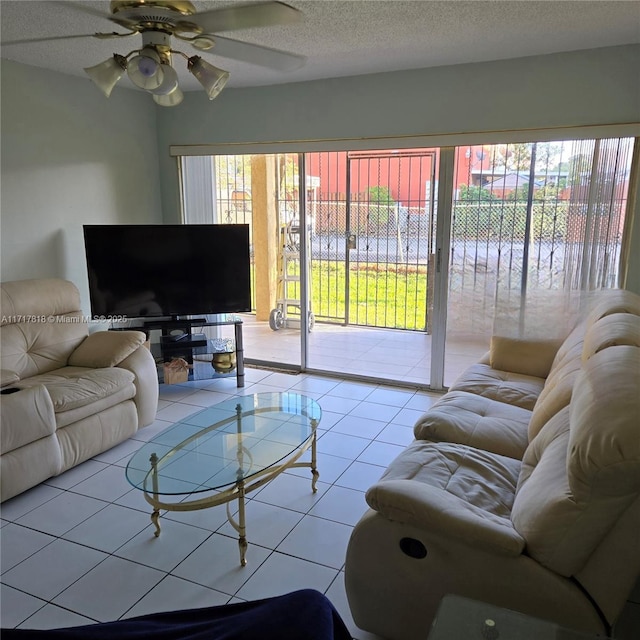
79	394
521	489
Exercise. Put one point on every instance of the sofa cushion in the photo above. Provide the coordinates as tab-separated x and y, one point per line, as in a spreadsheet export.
544	510
485	480
27	416
556	429
604	445
483	423
31	348
73	387
106	348
458	490
571	348
90	435
29	465
609	301
529	357
612	330
504	386
582	471
8	377
556	394
64	418
42	323
41	297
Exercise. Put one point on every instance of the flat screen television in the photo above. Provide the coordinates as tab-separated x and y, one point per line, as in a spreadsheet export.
173	270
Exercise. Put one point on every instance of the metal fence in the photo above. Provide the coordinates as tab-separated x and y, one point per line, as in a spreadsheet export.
371	254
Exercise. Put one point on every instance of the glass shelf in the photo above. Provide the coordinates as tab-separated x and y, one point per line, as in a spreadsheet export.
205	356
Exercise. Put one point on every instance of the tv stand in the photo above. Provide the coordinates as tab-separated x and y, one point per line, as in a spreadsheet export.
175	338
178	340
167	327
182	339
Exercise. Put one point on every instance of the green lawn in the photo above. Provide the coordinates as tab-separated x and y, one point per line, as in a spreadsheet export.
380	295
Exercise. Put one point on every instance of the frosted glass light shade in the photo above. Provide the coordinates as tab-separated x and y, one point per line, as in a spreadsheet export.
210	77
106	74
145	70
169	81
170	99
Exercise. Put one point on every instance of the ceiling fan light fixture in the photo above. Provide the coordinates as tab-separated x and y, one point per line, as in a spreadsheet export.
169	81
145	69
211	78
106	74
170	99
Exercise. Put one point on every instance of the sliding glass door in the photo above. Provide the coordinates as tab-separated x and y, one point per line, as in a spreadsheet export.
372	221
399	264
261	191
534	226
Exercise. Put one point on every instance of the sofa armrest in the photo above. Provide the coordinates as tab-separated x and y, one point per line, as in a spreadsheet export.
527	357
106	348
432	509
143	367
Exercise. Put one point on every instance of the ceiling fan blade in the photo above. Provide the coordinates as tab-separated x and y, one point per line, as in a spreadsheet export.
246	16
256	54
77	6
6	43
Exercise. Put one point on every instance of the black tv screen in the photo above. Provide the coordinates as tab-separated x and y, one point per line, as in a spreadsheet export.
142	271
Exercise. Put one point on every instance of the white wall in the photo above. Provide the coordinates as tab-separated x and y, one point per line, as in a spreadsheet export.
595	86
582	88
70	157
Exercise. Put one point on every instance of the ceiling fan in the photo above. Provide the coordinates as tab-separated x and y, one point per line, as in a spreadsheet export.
158	21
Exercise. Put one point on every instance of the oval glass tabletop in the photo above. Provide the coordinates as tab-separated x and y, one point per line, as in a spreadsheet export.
227	443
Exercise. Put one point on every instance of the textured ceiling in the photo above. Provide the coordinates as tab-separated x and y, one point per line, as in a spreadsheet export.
340	38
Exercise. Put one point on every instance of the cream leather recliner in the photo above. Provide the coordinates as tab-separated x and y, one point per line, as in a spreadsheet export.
78	394
522	488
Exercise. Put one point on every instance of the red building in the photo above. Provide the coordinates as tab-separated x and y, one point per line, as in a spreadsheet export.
408	174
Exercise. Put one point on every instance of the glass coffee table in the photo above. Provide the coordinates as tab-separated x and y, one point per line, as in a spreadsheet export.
220	454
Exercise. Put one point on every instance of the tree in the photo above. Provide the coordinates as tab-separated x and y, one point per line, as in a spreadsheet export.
519	194
381	195
516	156
579	169
233	173
548	153
474	193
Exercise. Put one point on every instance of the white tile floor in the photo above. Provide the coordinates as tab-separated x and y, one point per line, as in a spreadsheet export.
383	354
80	547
